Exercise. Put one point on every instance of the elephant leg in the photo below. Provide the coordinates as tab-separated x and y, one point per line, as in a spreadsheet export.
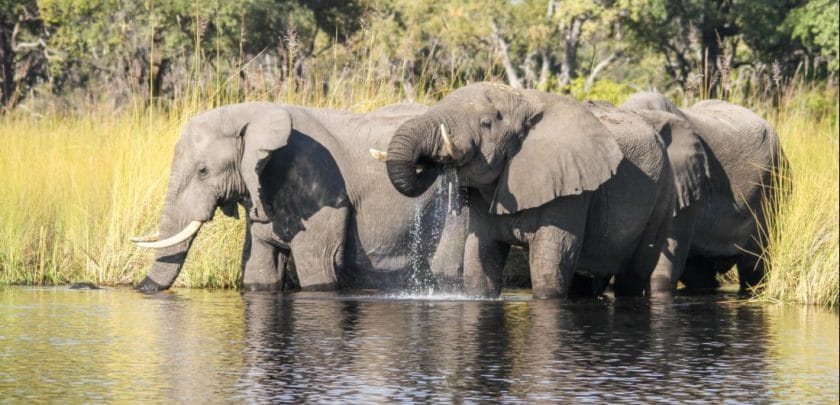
261	270
484	260
555	244
637	278
671	264
585	286
700	274
318	250
553	257
484	254
447	261
751	265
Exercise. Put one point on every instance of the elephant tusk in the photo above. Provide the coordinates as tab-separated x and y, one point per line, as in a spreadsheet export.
186	233
449	146
152	237
379	155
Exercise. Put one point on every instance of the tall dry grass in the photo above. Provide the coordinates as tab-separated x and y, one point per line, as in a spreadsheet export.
803	255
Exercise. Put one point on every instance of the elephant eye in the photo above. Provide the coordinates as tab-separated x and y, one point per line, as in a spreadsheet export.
499	115
203	172
485	121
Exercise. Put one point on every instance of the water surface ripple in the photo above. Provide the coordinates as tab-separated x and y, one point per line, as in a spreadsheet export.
191	346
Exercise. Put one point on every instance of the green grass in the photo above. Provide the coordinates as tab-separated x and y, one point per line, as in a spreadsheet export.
78	185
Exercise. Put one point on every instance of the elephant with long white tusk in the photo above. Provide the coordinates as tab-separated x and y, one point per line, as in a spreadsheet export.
310	191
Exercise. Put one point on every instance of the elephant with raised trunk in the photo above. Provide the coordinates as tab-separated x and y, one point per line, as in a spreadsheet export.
587	188
725	158
309	189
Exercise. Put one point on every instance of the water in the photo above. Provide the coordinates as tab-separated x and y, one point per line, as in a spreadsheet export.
199	346
446	218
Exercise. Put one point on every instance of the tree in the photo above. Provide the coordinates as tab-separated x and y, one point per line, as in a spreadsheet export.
702	36
816	25
21	49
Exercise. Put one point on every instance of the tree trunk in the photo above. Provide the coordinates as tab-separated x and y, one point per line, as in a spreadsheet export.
568	69
7	64
510	71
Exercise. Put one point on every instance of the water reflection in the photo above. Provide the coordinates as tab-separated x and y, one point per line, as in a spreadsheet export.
202	346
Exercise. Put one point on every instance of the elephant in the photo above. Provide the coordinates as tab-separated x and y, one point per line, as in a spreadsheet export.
310	191
586	188
725	159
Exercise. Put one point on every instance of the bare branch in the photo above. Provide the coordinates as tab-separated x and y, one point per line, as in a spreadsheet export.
600	68
569	65
29	45
528	67
510	71
544	70
552	7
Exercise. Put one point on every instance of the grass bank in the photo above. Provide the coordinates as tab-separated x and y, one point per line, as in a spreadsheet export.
77	186
804	236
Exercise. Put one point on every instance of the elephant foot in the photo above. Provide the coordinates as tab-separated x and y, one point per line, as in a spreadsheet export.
448	285
262	287
583	287
320	287
149	286
661	286
629	285
544	293
700	280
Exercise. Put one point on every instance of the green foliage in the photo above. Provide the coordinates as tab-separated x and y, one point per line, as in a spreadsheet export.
606	90
113	50
816	24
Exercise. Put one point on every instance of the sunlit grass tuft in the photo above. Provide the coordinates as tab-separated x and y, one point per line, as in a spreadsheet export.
803	257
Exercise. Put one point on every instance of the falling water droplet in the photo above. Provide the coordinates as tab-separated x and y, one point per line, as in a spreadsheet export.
430	218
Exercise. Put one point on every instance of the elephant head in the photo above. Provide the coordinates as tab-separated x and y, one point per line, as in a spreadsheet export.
520	148
217	163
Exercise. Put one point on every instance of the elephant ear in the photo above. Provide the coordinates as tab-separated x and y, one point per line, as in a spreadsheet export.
264	127
568	151
689	161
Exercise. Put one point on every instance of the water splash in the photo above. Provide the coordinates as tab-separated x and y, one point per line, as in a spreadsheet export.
439	222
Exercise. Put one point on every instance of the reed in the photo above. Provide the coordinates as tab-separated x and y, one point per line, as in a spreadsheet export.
803	257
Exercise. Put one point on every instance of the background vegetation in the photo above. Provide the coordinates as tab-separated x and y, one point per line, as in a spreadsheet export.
93	93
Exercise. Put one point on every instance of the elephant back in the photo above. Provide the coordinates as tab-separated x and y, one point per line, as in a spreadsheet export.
743	149
638	141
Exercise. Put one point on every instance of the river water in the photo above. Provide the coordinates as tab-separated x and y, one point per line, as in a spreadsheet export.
64	345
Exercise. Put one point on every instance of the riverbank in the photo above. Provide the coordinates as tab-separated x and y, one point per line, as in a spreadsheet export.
78	185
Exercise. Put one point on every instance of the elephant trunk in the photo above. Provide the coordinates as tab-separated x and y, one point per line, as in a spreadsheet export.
410	163
169	260
182	217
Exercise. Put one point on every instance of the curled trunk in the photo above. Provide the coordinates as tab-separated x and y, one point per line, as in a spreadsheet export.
411	166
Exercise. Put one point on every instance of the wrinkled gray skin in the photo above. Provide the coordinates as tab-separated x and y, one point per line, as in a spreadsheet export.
310	189
545	172
724	158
